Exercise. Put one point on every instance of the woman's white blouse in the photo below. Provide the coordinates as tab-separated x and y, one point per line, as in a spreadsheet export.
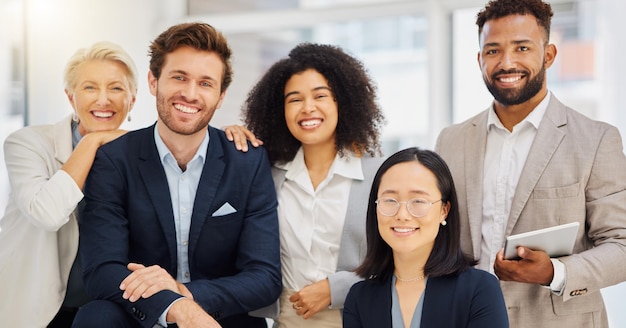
311	221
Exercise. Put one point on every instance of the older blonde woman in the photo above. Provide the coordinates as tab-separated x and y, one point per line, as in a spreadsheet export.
40	275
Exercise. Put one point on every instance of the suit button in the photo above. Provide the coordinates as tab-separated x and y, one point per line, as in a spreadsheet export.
133	310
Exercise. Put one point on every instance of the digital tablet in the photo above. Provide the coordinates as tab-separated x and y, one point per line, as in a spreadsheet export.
556	241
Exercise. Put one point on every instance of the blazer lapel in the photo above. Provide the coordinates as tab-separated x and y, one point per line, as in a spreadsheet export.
63	140
153	176
207	188
474	155
549	136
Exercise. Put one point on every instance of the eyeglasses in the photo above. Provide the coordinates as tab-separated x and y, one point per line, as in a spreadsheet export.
416	207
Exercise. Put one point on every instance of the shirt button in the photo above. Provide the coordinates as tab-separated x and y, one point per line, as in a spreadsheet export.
185	243
187	274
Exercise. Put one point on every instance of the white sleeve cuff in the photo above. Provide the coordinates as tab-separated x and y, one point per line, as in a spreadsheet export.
162	319
558	280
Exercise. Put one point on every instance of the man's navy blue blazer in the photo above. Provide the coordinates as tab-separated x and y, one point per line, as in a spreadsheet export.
471	299
234	259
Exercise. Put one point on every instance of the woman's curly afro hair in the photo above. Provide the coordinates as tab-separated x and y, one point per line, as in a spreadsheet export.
359	116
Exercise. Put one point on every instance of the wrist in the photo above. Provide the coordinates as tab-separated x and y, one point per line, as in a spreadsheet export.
179	309
183	290
92	139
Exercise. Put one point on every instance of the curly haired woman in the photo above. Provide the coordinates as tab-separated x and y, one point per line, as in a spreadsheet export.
317	114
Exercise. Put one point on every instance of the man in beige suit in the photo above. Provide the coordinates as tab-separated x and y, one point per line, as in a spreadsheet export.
529	162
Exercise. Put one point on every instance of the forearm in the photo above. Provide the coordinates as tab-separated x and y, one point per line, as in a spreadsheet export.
81	160
104	282
45	195
340	283
601	250
236	294
594	269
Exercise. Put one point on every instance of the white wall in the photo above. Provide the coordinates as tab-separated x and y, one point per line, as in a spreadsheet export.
611	63
57	28
612	44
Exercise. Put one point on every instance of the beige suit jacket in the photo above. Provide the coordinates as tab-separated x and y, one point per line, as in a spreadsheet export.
39	231
575	171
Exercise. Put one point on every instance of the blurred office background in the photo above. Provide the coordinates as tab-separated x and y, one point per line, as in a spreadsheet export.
422	54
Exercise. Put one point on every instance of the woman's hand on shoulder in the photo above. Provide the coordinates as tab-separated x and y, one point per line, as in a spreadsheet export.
79	163
239	135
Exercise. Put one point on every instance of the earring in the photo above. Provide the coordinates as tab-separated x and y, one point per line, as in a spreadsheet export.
75	118
443	223
128	117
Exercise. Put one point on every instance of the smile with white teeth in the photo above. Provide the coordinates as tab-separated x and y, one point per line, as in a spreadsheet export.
102	114
404	230
510	79
309	123
185	109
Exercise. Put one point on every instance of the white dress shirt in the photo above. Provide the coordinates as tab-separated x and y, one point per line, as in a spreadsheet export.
311	220
505	156
183	186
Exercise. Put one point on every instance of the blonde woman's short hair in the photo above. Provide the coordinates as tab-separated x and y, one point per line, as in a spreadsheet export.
103	50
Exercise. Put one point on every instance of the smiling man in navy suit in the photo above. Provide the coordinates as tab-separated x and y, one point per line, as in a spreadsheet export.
180	227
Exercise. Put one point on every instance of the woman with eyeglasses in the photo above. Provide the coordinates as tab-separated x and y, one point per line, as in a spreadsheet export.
415	274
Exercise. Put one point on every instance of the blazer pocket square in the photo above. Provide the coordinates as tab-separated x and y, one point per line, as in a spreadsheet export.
224	210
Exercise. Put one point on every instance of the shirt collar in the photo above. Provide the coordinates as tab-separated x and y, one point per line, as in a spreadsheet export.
164	152
534	117
76	136
348	166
